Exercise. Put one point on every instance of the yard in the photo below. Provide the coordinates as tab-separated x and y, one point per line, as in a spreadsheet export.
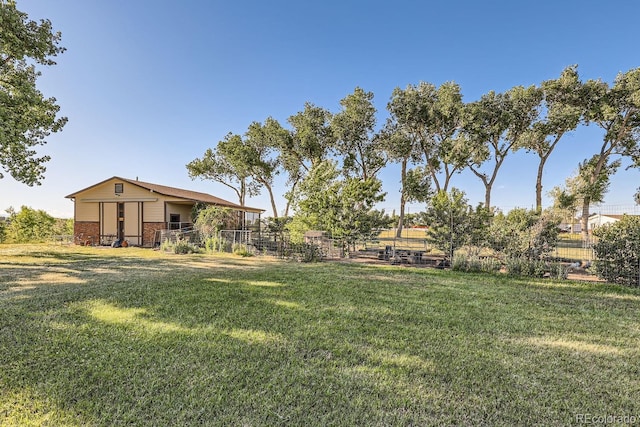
102	336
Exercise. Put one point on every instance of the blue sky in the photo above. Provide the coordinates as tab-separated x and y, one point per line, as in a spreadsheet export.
149	85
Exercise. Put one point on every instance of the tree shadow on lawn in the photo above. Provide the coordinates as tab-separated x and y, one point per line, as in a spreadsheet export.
176	343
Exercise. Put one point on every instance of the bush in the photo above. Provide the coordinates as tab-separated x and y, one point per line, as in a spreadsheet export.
452	221
304	252
524	234
29	225
475	264
211	219
242	250
185	247
617	251
525	267
558	271
63	226
215	244
167	246
181	246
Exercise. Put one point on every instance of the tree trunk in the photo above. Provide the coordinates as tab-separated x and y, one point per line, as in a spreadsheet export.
436	183
288	205
487	196
487	185
539	184
273	201
584	221
447	177
243	192
401	218
403	201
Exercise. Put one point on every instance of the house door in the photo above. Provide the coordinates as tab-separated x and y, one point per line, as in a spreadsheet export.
121	221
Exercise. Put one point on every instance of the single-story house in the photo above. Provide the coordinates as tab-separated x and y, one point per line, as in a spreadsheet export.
121	208
596	220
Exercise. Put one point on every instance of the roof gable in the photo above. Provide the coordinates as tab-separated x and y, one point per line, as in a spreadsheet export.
193	196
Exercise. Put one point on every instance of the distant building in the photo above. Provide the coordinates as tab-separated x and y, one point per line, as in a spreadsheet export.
596	220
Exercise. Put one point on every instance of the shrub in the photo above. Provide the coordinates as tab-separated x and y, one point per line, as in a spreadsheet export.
185	247
304	252
475	264
211	219
558	271
29	225
63	226
167	246
210	245
468	264
181	246
617	251
453	223
524	234
215	244
242	250
513	266
525	267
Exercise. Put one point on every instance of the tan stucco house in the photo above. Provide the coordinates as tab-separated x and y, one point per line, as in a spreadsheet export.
121	208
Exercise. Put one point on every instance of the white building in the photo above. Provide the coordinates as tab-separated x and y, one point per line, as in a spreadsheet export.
596	220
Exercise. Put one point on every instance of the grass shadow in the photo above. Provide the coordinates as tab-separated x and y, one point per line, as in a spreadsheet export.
197	340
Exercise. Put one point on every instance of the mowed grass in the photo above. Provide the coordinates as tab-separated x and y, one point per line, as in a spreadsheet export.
102	336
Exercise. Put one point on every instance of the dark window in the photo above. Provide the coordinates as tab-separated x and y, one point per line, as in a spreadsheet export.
119	188
174	221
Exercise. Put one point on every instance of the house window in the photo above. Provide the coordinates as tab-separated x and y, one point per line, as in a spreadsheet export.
119	188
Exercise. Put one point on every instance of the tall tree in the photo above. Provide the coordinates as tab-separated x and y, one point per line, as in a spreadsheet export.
310	143
493	127
561	111
245	164
354	129
257	154
217	165
27	118
615	109
431	118
415	184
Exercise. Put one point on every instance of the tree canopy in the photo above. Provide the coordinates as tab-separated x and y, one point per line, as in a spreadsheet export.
332	160
27	117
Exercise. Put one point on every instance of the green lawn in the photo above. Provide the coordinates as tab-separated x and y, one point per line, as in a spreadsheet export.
102	336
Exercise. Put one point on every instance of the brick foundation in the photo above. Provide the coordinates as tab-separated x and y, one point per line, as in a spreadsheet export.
86	232
149	232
